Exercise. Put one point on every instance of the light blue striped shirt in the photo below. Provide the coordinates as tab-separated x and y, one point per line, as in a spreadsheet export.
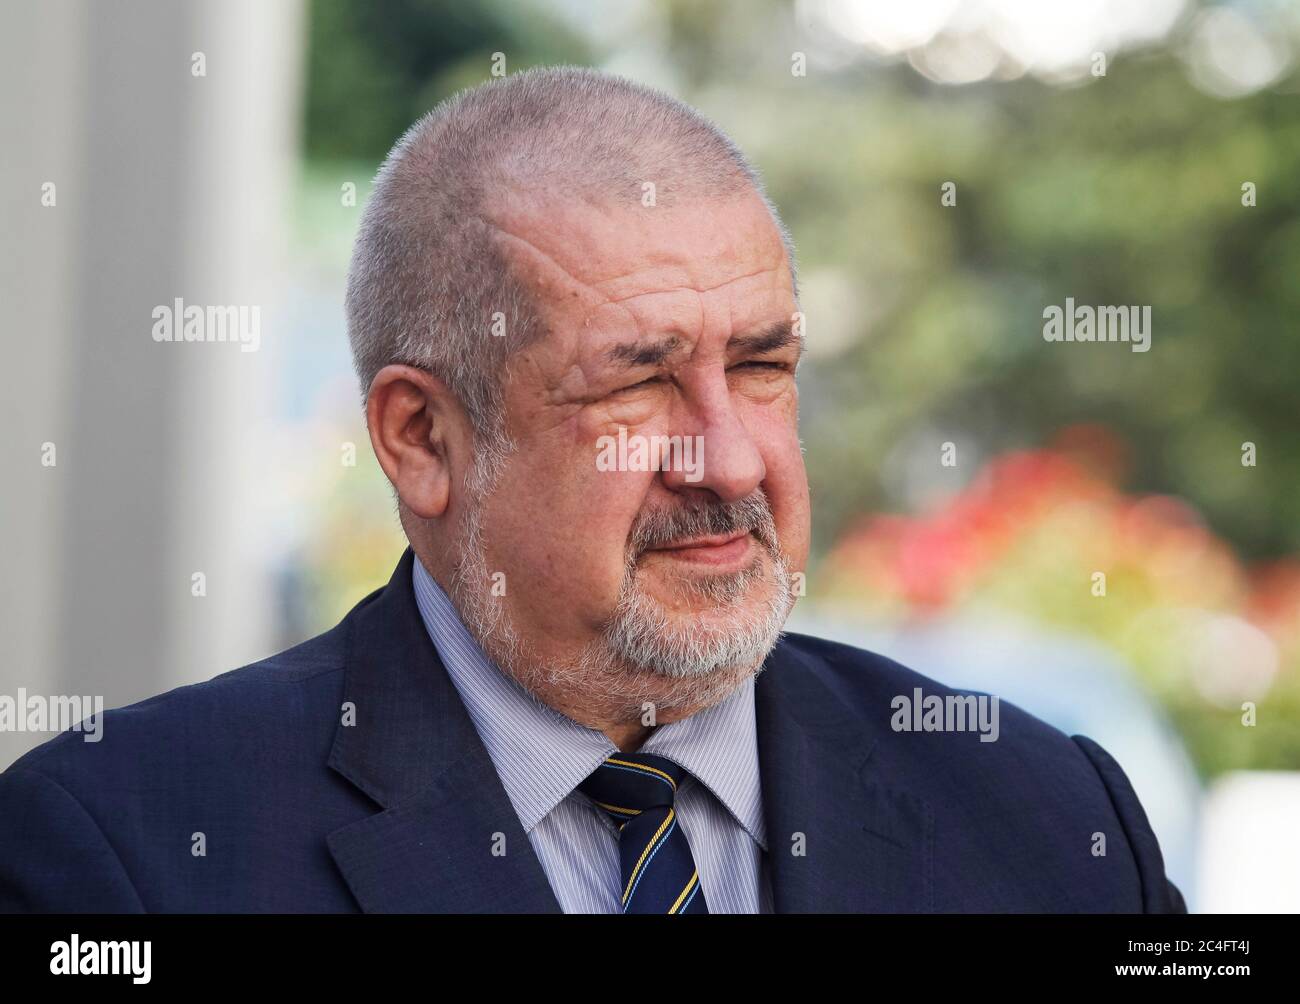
542	755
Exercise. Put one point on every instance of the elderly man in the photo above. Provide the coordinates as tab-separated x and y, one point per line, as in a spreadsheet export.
575	318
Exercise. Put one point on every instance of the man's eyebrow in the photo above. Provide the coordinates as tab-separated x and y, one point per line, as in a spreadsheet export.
644	353
774	336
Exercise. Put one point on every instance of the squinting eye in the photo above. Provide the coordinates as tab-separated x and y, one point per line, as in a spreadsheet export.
758	364
637	386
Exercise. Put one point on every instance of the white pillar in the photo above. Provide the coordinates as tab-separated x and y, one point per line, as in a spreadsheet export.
168	185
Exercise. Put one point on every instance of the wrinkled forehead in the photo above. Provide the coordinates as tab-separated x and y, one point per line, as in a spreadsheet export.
562	246
617	265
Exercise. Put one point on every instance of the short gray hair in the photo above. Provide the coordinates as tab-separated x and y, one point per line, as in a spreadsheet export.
426	277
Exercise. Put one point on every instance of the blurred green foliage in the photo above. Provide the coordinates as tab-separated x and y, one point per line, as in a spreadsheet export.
374	68
1122	190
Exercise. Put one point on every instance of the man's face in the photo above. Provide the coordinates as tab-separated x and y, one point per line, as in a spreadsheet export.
663	322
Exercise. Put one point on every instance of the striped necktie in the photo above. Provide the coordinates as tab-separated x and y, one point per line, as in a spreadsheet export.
658	872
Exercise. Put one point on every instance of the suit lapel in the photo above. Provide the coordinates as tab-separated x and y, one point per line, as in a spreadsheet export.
442	811
866	847
445	838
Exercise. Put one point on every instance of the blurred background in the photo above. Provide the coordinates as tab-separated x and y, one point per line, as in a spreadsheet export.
171	511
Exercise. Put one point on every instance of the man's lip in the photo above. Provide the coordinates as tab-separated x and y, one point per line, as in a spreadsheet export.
715	540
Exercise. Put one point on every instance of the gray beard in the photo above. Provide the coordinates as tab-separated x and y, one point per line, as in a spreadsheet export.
644	656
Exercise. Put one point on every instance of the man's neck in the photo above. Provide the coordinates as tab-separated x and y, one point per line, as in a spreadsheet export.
629	738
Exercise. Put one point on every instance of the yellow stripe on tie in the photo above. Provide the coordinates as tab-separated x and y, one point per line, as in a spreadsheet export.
631	879
615	808
689	886
641	766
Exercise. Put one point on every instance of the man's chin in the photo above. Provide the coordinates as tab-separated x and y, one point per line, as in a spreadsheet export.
669	667
696	619
713	641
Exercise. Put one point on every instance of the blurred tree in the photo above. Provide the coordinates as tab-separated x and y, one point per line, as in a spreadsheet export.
374	68
1124	189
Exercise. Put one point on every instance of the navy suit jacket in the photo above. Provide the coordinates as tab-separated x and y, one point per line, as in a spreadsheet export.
300	812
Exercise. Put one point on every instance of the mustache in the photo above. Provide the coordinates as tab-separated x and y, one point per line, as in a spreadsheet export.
703	517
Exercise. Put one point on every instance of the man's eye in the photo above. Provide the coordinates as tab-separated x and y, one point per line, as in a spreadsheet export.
761	364
637	386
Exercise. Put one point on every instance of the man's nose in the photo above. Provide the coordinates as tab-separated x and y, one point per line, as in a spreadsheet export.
722	456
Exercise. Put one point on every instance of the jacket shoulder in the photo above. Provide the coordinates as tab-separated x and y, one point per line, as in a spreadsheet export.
1019	783
107	825
284	693
870	684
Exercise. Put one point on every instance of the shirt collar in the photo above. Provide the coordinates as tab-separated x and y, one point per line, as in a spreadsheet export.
542	755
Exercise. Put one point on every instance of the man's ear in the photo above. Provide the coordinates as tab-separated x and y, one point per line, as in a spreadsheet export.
419	433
